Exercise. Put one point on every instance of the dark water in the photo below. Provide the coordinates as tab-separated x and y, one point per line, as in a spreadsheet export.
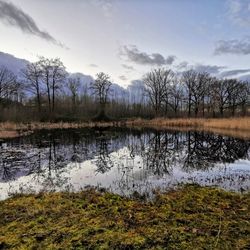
122	160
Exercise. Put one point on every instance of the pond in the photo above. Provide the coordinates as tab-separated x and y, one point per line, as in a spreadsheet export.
122	160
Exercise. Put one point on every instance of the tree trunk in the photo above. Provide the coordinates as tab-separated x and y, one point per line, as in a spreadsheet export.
189	105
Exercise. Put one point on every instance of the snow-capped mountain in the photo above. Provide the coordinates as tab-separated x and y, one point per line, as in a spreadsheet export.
12	63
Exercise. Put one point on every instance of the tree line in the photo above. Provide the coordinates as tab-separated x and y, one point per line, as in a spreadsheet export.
45	91
195	94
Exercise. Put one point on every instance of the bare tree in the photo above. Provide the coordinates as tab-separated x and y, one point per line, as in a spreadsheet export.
234	91
8	83
199	89
54	75
58	78
176	95
220	94
197	86
33	77
101	89
189	78
73	85
157	84
244	96
46	74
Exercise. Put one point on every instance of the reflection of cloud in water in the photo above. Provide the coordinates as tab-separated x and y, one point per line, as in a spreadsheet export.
129	175
123	161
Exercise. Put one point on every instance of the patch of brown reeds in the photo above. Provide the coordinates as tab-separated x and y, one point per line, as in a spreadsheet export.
238	126
11	129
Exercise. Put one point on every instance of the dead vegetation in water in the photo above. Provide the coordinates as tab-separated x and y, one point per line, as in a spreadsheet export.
8	134
238	126
10	129
237	123
10	126
192	217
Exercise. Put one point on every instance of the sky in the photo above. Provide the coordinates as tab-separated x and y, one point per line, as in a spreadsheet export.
127	38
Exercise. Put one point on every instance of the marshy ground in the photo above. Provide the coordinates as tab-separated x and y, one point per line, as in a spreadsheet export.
191	217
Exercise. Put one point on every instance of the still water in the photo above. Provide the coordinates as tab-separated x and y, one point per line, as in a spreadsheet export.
123	161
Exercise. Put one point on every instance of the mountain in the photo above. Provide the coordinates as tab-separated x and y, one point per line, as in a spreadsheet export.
133	93
12	63
87	79
245	78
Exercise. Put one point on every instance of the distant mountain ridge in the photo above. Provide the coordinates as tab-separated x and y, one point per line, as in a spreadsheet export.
12	63
131	93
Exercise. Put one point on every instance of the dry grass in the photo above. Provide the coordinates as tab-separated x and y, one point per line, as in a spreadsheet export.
239	123
239	126
8	134
10	126
10	129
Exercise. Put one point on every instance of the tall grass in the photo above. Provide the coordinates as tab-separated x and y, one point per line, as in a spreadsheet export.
236	127
10	126
239	123
225	125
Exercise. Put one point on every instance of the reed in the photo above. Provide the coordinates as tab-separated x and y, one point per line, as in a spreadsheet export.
239	123
228	126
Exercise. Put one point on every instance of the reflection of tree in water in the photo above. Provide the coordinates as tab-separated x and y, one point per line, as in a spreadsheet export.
161	152
12	165
156	156
102	160
164	150
204	150
47	155
53	175
191	151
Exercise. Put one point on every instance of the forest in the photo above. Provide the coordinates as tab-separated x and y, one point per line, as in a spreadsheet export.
45	91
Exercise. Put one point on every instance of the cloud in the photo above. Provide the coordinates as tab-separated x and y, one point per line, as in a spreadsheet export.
13	16
214	70
182	65
211	69
170	59
134	55
239	12
128	67
199	67
93	65
106	6
235	72
245	78
123	78
234	46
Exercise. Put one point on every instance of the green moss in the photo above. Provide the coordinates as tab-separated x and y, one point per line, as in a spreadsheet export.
191	217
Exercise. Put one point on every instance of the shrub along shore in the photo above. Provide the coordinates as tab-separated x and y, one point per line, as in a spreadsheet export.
239	127
190	217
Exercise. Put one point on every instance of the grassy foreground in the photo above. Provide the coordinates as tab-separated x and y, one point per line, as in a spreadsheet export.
191	217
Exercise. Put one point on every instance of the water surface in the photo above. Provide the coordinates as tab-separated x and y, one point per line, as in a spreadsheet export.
123	161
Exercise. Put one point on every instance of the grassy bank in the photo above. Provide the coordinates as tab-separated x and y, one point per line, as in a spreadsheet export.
10	129
189	218
237	123
239	126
